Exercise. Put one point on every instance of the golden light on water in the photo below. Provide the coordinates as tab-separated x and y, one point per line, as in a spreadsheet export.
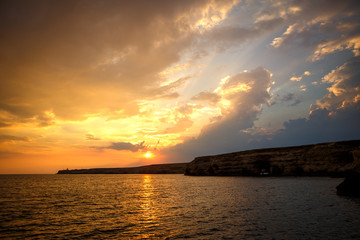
149	215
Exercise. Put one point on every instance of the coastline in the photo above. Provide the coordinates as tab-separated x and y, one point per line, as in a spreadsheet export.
170	168
333	159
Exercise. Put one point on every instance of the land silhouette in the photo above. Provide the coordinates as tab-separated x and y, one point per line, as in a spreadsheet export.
335	159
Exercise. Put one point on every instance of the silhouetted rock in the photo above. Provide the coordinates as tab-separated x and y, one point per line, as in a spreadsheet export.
172	168
325	159
350	186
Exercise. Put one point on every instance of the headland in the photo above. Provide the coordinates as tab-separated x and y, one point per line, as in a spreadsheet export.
172	168
336	159
324	159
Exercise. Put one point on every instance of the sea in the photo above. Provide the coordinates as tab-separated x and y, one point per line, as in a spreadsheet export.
174	206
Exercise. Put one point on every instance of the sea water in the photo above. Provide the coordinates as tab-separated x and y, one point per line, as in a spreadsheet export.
174	207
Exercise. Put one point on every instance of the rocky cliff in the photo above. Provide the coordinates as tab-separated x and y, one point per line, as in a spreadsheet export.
174	168
325	159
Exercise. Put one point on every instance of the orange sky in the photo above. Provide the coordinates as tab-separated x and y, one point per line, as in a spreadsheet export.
88	84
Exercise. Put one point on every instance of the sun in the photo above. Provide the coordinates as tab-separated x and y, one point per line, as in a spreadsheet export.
148	154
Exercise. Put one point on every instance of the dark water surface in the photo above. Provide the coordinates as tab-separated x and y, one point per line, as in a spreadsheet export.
174	207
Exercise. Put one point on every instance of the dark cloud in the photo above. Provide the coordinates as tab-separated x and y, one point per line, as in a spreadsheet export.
334	117
121	146
319	127
288	97
296	102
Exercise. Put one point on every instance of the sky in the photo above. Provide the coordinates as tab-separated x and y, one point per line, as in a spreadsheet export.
92	84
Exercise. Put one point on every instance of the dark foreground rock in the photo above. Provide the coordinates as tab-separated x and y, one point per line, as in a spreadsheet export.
325	159
350	186
173	168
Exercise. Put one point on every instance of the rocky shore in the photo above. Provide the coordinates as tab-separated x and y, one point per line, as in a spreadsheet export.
325	159
174	168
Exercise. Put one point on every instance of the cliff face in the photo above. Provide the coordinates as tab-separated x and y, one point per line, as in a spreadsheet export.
175	168
325	159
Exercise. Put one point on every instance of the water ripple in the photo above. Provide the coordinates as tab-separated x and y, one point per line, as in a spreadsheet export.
174	207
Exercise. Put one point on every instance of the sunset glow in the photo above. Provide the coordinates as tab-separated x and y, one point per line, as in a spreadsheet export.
148	155
120	84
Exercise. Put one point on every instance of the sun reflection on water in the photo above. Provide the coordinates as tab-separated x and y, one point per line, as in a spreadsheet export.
149	218
146	197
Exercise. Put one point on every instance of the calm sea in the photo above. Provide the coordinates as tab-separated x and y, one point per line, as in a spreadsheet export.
174	207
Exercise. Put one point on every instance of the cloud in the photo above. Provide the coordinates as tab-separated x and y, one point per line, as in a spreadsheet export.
334	117
2	125
167	91
180	126
298	79
125	146
224	37
242	96
207	97
321	126
291	97
296	102
45	119
286	98
75	59
5	155
322	26
348	42
344	89
124	65
91	137
104	65
187	109
303	88
10	138
277	42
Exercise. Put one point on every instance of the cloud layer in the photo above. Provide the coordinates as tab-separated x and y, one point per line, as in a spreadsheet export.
72	59
180	78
